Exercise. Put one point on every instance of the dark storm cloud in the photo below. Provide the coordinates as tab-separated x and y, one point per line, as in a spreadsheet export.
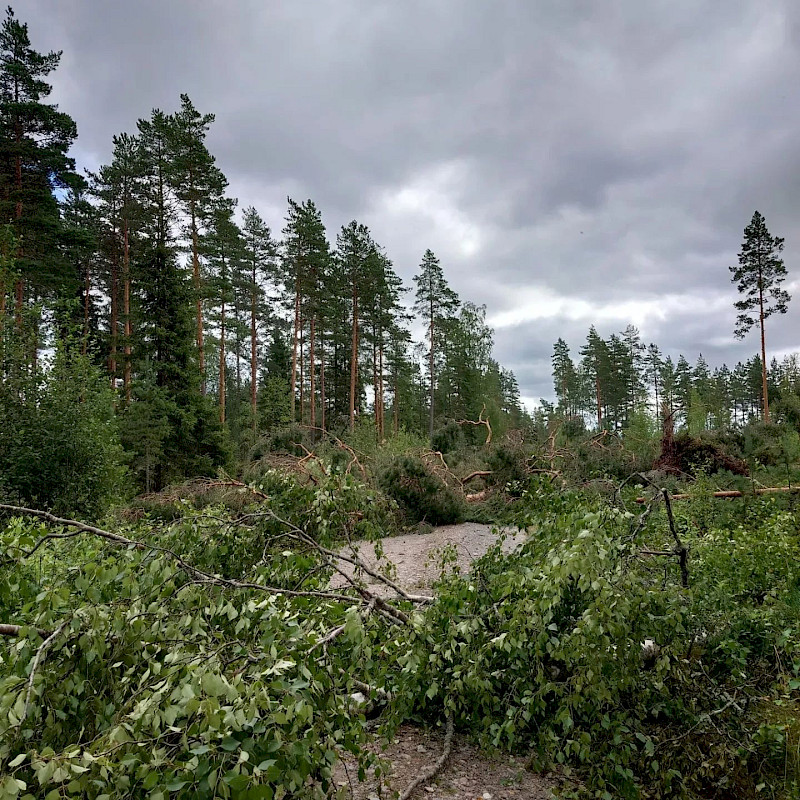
568	162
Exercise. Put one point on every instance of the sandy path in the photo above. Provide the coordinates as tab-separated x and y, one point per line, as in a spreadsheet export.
416	556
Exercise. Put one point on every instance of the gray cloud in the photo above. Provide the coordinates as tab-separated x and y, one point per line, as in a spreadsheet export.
601	154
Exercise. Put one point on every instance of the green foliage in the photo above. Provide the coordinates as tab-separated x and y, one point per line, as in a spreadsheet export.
59	448
770	444
597	657
448	438
419	493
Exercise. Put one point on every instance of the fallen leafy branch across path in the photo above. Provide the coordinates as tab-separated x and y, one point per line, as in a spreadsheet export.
731	493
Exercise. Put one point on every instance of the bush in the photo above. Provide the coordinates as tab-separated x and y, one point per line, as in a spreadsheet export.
507	463
448	438
59	447
771	445
420	493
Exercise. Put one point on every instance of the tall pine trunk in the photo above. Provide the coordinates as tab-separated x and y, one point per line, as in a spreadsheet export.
432	365
114	324
302	372
295	338
764	388
253	354
599	400
222	360
126	299
87	288
380	387
322	398
201	351
354	359
311	370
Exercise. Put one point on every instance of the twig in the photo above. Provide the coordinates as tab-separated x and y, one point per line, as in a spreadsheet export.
39	652
437	767
680	549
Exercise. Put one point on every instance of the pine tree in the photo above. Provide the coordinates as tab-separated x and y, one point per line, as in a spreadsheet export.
565	379
305	261
260	251
758	278
35	138
199	185
354	246
436	303
595	365
653	365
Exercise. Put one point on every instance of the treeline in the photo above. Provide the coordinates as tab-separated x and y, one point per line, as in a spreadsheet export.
614	378
209	327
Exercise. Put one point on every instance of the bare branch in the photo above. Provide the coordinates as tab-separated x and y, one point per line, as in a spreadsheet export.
437	767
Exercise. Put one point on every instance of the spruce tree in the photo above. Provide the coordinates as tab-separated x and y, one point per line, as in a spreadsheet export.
758	278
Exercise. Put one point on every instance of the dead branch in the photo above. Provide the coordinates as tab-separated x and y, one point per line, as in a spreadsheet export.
680	548
731	493
479	473
480	421
354	460
232	483
437	767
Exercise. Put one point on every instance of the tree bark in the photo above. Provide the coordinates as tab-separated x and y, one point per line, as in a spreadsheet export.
322	382
87	288
599	403
253	353
126	266
201	352
302	372
222	361
431	371
311	368
764	388
112	360
295	336
380	387
354	359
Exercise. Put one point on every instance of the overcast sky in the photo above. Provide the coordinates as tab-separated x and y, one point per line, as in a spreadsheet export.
570	163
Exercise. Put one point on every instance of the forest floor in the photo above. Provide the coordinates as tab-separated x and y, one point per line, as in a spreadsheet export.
469	773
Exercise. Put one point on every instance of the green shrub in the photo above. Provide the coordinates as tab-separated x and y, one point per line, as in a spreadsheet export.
771	445
448	438
59	446
421	494
507	463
